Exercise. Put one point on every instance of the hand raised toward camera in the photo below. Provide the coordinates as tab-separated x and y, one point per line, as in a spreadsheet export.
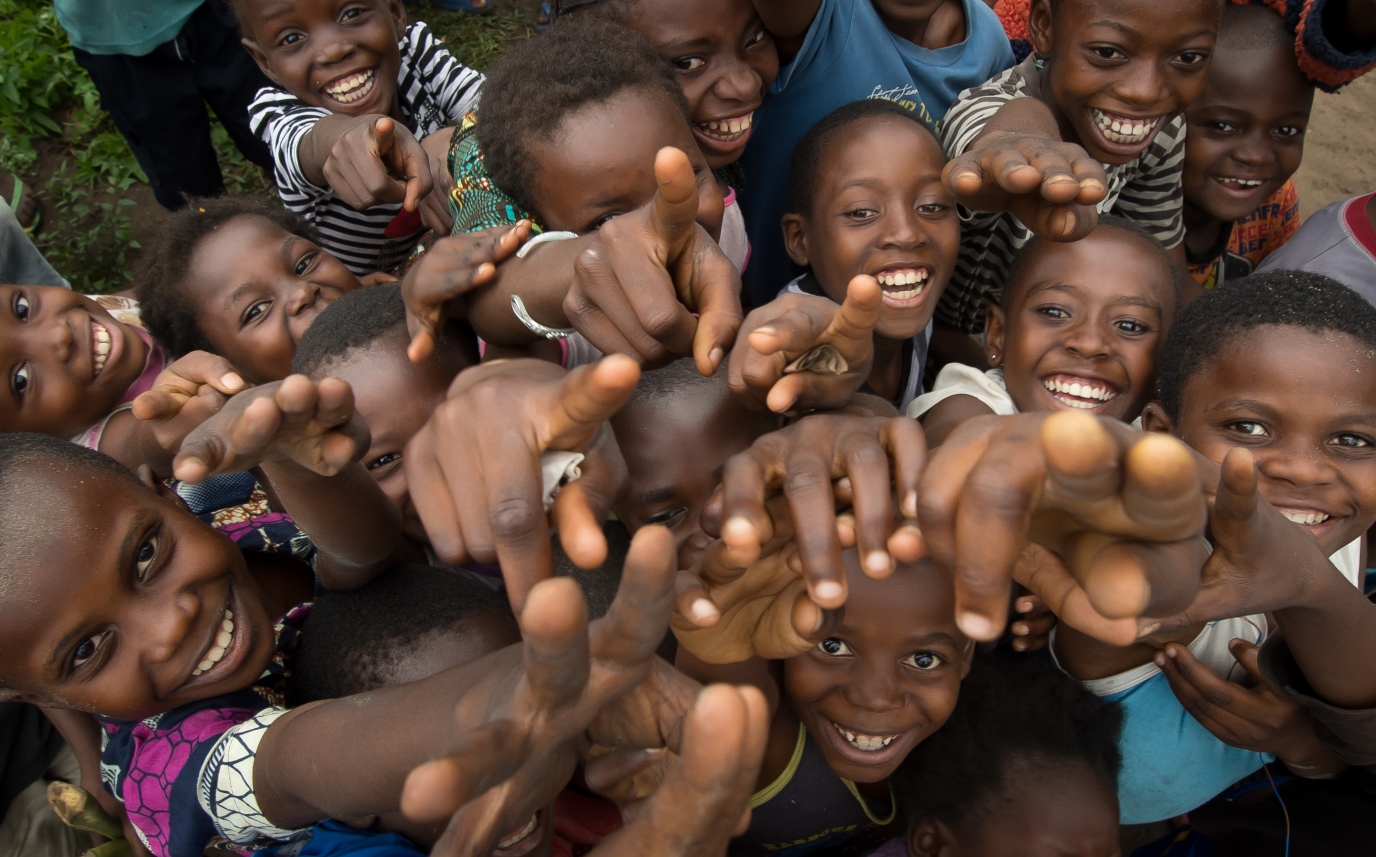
474	469
375	160
1123	510
804	351
184	395
647	273
296	419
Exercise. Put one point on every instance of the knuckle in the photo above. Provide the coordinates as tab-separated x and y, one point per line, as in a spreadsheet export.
516	517
806	480
661	324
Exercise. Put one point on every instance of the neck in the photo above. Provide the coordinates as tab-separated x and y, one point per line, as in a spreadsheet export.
943	28
1201	228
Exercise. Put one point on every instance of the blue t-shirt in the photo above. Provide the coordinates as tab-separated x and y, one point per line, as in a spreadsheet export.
848	55
121	27
1171	764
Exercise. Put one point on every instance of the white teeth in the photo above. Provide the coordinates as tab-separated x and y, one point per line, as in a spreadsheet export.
1079	390
911	277
1118	129
868	743
1240	182
521	834
726	129
100	346
1308	519
222	641
351	88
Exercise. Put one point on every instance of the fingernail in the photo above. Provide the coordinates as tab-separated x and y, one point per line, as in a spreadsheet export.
1069	224
1019	645
910	504
232	379
877	562
1024	606
975	626
715	356
768	330
1092	183
737	530
1160	659
1148	630
1171	652
703	610
829	591
1019	629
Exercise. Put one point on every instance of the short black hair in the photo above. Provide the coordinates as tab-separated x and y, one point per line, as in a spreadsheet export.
1249	28
160	280
352	641
1013	708
1225	314
537	83
675	379
806	161
1106	221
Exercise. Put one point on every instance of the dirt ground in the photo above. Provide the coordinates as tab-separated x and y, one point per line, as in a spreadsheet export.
1340	151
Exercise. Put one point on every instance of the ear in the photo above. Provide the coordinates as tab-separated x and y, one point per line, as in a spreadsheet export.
795	238
967	658
398	12
932	839
157	486
256	51
995	323
1039	26
1154	418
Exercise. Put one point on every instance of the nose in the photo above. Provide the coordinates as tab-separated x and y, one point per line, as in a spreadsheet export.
1298	463
167	623
1252	149
691	549
1143	85
55	337
901	229
874	688
739	82
1088	338
302	298
333	49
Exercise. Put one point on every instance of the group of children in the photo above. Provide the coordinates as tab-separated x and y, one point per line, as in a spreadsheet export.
640	448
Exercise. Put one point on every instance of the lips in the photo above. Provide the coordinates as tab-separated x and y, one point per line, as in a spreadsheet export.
352	87
525	840
867	743
903	286
100	348
1238	186
1124	132
226	647
725	135
222	641
1305	517
1079	392
864	748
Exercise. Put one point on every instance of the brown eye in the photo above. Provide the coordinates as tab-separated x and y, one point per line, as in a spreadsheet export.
88	649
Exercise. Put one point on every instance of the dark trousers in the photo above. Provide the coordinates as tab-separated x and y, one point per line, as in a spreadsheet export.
158	102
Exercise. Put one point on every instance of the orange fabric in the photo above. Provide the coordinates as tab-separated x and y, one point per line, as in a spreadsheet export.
1257	235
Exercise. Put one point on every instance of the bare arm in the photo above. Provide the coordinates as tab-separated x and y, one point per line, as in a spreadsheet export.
947	415
1329	635
789	21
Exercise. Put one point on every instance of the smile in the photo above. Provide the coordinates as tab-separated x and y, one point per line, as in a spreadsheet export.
1307	517
100	347
222	642
1078	392
522	833
1123	130
351	88
903	284
726	130
1238	185
866	743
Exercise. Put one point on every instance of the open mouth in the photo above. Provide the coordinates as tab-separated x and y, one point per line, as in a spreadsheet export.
866	743
1240	187
100	348
525	840
1079	392
725	135
223	639
1307	517
351	87
903	286
1126	131
227	647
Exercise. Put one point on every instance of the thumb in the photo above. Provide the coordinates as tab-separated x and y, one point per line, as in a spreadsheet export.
382	134
1246	654
858	316
1235	504
589	396
674	210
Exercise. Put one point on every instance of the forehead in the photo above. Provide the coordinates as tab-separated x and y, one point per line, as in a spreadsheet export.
1263	81
1051	808
388	387
915	601
1314	373
687	435
878	148
237	249
673	23
1163	22
1105	264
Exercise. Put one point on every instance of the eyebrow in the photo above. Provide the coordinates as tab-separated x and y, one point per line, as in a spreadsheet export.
1124	28
236	294
935	637
686	44
656	495
1135	300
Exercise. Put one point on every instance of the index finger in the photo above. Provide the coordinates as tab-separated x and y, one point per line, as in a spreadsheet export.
633	627
588	397
674	210
416	166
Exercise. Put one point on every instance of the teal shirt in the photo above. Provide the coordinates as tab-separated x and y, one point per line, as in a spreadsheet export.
121	26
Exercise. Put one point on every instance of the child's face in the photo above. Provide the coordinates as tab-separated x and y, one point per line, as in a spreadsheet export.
395	397
67	361
1246	132
341	55
889	675
128	620
675	451
601	163
1053	808
1124	62
1304	405
879	207
725	60
257	288
1085	325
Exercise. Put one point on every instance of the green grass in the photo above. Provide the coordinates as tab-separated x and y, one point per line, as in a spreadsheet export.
46	98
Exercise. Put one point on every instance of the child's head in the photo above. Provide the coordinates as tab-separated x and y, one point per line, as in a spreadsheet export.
1282	364
887	677
1081	324
239	277
341	55
1246	131
67	361
571	122
676	433
362	338
722	55
1027	765
407	624
1118	71
114	596
866	197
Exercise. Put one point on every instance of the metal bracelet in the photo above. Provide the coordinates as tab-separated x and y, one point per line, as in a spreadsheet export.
518	307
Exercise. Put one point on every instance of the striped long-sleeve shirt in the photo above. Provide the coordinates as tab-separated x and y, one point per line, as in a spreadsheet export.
435	91
1146	190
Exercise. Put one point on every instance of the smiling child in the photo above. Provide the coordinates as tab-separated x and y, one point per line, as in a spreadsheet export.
1246	137
867	198
1080	326
1117	76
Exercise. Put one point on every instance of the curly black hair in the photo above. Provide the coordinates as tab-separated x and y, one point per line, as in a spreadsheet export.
537	83
352	641
1276	298
160	280
1012	709
806	161
1106	221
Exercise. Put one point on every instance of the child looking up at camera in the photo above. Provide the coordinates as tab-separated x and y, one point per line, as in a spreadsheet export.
1246	137
1116	77
866	198
1080	325
919	56
356	88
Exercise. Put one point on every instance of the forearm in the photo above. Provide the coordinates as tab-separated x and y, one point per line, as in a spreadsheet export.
356	529
316	145
1020	116
1332	637
542	279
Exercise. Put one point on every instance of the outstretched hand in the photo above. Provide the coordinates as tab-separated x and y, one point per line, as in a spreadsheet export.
184	395
474	471
647	273
375	160
798	329
1123	510
311	423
